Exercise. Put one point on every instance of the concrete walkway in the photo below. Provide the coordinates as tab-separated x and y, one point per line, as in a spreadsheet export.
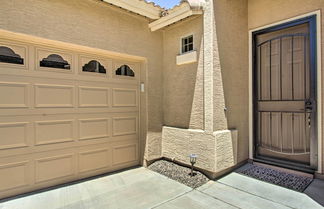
142	188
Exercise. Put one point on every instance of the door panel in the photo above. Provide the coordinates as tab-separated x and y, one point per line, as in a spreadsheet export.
284	107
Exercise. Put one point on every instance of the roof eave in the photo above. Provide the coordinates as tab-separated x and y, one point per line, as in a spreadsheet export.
196	4
140	7
179	12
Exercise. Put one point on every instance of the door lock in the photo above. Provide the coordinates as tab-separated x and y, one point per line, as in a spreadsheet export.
309	121
308	106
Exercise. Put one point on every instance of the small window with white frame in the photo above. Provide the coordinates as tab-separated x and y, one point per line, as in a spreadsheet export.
187	44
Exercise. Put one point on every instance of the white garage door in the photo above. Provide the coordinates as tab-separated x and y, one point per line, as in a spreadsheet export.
64	115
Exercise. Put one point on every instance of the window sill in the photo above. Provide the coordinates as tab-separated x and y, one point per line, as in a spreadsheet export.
187	58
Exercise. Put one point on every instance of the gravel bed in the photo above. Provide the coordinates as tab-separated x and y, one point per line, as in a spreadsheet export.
179	173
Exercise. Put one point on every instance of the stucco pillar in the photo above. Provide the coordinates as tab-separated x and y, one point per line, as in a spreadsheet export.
208	67
214	103
220	120
214	99
215	145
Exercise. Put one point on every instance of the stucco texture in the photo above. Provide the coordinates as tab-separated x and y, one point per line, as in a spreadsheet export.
232	36
187	99
179	81
264	12
216	152
215	144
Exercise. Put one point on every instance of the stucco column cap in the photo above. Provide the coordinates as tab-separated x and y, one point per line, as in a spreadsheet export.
196	4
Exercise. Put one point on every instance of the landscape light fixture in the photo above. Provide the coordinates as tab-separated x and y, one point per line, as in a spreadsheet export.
193	159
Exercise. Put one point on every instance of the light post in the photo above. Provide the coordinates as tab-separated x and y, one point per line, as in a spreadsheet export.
193	159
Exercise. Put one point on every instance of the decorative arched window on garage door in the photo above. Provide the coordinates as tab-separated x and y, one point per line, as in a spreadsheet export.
55	61
125	70
94	66
7	55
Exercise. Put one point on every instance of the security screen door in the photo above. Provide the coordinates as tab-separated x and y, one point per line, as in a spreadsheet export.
284	94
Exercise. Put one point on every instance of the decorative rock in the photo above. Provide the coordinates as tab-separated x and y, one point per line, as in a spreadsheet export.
179	173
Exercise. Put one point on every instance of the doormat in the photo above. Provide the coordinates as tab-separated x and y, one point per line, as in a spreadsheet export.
280	178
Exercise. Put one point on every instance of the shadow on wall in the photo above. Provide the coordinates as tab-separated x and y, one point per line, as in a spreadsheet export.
197	107
232	35
183	93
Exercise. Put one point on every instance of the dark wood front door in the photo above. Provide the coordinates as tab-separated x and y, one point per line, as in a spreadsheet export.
285	94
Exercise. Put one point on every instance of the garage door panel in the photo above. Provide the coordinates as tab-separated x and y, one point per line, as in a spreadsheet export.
124	138
93	96
93	128
54	95
38	134
55	131
124	126
103	110
124	153
59	125
13	95
54	167
94	159
122	97
13	135
124	82
14	175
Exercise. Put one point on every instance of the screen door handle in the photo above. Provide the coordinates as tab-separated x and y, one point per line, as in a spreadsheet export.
308	106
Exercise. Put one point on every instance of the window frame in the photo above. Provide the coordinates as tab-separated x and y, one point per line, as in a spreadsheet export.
53	67
84	58
17	59
19	48
126	65
100	63
65	54
182	46
133	65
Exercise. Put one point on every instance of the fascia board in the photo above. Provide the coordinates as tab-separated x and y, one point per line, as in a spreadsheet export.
173	17
140	7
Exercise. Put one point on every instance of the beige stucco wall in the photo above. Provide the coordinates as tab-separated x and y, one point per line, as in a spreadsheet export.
215	85
264	12
232	36
181	92
175	94
96	24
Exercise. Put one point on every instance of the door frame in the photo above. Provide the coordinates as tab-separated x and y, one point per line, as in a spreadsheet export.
317	45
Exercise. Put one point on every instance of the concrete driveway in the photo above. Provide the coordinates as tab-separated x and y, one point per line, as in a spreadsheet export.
142	188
